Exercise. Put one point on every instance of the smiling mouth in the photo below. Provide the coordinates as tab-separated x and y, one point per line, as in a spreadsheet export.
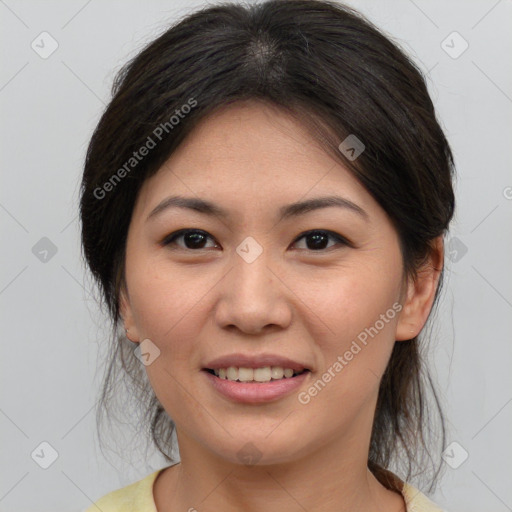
255	375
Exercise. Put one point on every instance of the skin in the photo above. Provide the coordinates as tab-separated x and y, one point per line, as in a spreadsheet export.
293	300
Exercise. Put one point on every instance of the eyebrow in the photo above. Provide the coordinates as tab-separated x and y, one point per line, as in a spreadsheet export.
291	210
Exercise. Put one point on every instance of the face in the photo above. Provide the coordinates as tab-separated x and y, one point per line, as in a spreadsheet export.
322	287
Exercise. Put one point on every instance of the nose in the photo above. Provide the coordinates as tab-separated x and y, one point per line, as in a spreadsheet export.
254	297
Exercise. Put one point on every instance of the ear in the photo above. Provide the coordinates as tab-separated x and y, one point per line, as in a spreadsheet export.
420	294
127	315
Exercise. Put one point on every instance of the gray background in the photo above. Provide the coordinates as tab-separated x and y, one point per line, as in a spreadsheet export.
52	329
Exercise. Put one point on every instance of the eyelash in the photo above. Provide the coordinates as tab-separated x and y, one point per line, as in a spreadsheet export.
170	239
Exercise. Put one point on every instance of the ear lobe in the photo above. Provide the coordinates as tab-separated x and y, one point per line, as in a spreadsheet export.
420	294
127	315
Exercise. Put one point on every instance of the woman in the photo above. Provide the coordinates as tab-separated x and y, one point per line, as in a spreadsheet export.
264	203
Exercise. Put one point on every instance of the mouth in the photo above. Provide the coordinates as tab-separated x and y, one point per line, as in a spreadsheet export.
263	374
256	385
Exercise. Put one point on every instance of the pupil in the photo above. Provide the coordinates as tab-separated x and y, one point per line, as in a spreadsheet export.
196	240
317	243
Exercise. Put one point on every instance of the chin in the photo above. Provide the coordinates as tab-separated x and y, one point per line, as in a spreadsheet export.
259	449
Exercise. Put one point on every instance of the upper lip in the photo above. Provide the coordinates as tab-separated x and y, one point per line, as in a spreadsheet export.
254	361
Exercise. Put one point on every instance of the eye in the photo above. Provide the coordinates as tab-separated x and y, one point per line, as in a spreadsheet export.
195	239
315	239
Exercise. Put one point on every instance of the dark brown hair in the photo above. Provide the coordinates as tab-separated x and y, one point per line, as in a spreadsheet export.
331	69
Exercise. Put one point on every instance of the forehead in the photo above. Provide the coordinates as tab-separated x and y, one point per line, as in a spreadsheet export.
251	154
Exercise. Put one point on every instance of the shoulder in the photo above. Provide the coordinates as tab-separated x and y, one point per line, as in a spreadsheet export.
416	501
136	497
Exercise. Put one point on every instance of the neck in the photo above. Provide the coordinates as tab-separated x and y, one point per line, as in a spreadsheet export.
330	479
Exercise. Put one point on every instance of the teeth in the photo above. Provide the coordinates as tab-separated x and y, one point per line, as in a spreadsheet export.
232	373
245	374
276	372
264	374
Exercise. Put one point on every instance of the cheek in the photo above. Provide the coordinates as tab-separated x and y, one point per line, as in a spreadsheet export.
348	302
166	302
359	312
166	309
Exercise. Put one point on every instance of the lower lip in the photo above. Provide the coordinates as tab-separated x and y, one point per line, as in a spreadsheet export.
256	392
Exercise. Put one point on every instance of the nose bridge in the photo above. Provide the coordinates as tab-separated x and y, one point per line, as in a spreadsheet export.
252	272
251	294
